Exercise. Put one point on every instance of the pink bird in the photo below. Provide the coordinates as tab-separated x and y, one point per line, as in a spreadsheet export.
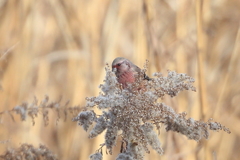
126	71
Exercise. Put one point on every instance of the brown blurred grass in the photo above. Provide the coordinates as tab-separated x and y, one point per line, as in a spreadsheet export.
60	48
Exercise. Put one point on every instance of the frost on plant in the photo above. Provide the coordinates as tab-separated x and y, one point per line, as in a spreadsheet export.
28	152
96	156
133	114
35	108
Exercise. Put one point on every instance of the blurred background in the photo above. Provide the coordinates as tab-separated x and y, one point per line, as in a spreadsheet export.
60	48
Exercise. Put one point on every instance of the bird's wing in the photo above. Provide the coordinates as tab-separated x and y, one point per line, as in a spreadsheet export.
138	71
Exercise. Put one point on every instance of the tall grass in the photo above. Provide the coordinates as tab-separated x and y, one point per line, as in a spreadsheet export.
59	48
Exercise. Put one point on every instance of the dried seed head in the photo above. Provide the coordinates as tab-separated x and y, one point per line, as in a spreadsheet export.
135	112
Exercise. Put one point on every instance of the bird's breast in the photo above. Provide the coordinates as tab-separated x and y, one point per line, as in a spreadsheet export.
126	77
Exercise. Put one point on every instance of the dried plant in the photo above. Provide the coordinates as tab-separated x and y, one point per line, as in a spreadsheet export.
134	114
28	152
34	109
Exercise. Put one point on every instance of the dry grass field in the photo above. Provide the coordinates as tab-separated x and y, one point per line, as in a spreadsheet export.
60	48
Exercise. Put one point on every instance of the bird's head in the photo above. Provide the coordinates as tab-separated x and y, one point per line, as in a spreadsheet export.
120	65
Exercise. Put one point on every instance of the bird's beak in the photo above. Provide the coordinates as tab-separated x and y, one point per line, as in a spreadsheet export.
114	69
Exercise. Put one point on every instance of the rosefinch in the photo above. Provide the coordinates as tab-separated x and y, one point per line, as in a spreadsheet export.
126	71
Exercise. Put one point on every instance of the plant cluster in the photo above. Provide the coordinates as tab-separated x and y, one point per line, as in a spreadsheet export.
28	152
35	108
136	113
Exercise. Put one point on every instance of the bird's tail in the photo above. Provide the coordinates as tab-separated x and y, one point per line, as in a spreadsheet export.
146	77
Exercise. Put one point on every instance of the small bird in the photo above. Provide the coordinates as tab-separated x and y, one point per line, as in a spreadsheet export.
126	71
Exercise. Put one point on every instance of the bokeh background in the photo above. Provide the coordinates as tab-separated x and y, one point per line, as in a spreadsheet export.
60	48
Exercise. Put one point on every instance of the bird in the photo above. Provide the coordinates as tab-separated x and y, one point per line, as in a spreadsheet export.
127	72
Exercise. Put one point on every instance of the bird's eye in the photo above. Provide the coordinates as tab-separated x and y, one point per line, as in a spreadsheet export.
119	64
